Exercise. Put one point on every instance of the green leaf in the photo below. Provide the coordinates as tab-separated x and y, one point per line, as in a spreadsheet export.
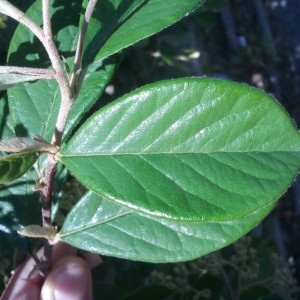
6	128
117	24
98	225
12	166
194	149
9	80
15	165
19	205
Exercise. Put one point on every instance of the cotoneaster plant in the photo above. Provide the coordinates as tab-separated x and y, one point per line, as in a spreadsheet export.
175	169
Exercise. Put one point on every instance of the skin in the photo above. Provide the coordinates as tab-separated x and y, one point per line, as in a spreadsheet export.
69	278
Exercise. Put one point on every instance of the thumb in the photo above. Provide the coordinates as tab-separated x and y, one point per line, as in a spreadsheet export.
69	278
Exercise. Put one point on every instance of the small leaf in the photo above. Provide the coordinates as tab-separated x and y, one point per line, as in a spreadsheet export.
38	231
9	80
27	145
194	149
33	231
98	225
14	166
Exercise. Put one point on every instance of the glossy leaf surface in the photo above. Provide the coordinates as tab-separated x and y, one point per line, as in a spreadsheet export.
193	149
117	24
98	225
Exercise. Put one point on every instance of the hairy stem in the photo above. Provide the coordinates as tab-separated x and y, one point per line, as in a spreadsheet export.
46	18
46	194
65	107
87	17
74	82
61	78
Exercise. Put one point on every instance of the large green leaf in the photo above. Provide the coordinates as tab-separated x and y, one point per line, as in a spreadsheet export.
193	149
117	24
98	225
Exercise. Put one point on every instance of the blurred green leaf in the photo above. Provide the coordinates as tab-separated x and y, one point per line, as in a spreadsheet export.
15	165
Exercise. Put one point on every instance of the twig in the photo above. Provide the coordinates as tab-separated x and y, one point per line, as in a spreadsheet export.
87	17
75	81
61	78
46	18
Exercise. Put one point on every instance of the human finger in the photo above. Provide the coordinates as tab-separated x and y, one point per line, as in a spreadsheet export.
22	287
69	278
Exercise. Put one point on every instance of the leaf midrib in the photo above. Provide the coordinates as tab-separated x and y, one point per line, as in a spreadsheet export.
97	154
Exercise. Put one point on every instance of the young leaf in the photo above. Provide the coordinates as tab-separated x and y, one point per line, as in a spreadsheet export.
117	24
93	222
19	144
194	149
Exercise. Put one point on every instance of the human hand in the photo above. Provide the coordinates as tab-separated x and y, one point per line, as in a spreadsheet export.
69	277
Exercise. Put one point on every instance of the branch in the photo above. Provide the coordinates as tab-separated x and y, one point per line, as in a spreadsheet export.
46	39
46	18
44	73
87	17
61	78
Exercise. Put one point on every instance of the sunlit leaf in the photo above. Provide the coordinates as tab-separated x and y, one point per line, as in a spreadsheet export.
193	149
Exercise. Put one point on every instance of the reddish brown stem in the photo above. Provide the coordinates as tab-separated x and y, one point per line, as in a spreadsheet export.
46	194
